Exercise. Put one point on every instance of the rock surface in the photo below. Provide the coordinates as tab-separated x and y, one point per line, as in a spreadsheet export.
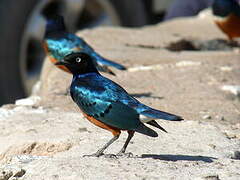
45	136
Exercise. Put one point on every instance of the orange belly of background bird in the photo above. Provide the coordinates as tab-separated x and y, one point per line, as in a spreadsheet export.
230	26
100	124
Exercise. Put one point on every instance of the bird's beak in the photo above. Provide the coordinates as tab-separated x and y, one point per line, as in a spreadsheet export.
61	63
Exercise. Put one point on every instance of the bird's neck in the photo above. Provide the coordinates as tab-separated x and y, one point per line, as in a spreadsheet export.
54	33
84	72
83	75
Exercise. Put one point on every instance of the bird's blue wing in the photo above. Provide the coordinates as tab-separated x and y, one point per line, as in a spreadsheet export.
61	44
94	101
106	92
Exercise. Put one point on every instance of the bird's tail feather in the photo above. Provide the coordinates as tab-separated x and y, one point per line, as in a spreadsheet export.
156	114
111	63
146	130
155	124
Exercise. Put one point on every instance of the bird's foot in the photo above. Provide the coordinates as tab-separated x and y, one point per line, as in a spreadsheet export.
94	155
123	154
101	154
110	156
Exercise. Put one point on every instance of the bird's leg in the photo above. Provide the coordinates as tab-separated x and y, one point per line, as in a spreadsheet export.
100	151
122	151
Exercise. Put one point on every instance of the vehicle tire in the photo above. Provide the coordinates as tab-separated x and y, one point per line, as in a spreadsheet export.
132	13
14	16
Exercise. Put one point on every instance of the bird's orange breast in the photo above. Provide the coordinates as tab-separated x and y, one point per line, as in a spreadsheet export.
100	124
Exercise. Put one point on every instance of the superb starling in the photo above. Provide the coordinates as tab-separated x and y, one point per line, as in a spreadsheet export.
58	42
230	10
108	105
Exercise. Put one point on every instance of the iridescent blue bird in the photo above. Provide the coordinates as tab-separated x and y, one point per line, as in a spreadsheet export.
108	105
58	42
230	11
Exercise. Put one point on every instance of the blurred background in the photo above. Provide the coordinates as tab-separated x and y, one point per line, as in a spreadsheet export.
23	22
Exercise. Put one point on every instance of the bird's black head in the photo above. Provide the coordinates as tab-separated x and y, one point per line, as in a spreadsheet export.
55	24
78	63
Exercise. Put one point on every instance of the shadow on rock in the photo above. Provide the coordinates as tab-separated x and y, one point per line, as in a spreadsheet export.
170	157
198	45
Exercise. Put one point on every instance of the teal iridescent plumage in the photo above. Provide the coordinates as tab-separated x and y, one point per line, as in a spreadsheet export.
60	43
105	101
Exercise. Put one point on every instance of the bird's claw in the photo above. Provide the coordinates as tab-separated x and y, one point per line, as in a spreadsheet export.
93	155
127	155
110	156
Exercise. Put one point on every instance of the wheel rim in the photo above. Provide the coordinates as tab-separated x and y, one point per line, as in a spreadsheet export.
74	11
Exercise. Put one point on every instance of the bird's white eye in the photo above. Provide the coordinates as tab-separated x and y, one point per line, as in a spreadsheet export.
78	59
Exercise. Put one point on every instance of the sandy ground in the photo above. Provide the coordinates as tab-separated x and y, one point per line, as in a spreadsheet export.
180	66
